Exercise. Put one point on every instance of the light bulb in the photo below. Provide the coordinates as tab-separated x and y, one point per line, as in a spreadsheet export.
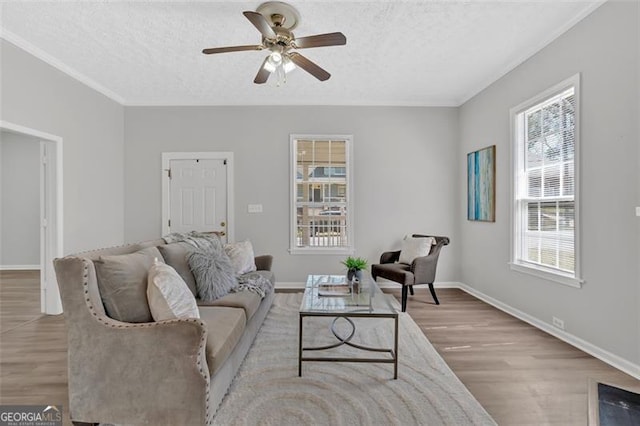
276	58
288	65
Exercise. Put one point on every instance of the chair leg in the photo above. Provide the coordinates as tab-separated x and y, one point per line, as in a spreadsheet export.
433	293
411	290
404	298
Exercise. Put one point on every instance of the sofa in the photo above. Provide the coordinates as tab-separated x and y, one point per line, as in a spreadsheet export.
171	372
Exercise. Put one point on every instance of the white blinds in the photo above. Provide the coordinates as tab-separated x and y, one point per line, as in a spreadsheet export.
546	185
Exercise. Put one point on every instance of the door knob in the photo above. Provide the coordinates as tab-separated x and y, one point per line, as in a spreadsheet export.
223	224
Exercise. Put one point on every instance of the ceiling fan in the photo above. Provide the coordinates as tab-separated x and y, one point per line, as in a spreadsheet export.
275	20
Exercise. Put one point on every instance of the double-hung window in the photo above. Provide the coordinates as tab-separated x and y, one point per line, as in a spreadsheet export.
545	181
321	194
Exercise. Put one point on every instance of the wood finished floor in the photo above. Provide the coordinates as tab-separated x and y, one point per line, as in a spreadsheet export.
521	375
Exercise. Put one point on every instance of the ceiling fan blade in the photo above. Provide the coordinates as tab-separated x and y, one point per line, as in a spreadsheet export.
330	39
309	66
263	73
231	49
261	23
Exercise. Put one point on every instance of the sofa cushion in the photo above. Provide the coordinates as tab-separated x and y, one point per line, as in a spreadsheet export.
398	272
225	327
175	254
168	294
249	301
242	257
413	247
122	280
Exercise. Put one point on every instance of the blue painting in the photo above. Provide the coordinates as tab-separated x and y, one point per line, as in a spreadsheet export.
481	185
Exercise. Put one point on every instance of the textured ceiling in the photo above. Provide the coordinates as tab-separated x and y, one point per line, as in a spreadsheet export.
397	52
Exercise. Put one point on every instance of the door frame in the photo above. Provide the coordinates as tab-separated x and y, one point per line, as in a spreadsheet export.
166	205
51	212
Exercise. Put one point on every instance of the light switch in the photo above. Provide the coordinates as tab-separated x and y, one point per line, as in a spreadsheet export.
254	208
637	211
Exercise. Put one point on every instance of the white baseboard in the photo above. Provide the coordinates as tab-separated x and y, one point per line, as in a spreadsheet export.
289	285
602	354
382	283
19	267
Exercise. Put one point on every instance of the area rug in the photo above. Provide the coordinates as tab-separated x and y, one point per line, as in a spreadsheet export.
268	391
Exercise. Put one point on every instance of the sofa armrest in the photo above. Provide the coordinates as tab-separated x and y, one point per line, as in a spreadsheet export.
264	262
159	369
424	268
390	256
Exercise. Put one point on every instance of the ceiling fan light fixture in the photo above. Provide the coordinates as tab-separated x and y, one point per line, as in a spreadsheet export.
275	21
288	65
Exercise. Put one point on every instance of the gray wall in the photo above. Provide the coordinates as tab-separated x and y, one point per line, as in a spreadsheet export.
40	97
605	312
20	193
403	173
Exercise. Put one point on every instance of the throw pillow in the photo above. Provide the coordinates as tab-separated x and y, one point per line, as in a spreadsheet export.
242	257
175	255
168	294
122	280
213	271
415	247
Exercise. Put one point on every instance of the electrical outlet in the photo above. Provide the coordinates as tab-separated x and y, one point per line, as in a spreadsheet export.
254	208
557	322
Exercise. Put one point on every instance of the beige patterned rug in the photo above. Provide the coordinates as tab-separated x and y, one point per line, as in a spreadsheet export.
268	391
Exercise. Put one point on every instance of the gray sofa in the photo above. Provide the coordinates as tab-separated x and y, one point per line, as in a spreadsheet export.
172	372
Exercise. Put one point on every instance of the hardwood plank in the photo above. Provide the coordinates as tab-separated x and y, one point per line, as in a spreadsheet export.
19	298
521	375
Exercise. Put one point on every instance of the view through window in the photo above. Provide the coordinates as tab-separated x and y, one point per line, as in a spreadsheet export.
545	181
321	193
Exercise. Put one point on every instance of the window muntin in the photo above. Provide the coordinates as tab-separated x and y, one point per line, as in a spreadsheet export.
321	210
545	219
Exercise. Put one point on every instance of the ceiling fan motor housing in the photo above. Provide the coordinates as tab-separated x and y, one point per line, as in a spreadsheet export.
280	14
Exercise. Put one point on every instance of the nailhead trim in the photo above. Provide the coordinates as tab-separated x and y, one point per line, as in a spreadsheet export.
109	323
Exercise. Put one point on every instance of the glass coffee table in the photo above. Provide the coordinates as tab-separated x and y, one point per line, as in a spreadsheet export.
333	296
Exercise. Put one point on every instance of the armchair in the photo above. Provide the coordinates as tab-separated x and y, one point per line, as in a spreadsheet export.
421	271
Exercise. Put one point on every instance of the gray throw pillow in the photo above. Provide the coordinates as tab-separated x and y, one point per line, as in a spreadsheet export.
175	255
213	271
122	280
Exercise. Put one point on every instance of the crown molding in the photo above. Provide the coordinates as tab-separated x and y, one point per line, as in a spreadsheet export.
45	57
526	54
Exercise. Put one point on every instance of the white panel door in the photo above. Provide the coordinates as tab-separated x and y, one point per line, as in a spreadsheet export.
198	196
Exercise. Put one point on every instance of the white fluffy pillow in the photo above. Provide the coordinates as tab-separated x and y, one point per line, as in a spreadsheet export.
242	257
415	247
168	295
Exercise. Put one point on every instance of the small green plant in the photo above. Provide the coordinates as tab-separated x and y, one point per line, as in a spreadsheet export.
355	263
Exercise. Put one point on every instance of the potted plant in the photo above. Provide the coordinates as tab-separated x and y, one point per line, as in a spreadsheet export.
354	265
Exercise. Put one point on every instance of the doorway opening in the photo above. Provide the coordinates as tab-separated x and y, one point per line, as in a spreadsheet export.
51	211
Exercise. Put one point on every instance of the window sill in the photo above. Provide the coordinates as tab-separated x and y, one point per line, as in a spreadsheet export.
320	251
547	275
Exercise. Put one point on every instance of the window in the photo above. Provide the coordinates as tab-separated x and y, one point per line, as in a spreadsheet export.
321	195
545	209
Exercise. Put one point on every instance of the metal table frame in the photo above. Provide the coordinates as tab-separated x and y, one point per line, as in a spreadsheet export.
342	340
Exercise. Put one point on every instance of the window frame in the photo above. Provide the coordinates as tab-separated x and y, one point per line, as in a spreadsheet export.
293	248
517	118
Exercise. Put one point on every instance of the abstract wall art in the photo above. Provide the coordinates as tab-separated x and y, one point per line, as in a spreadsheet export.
481	185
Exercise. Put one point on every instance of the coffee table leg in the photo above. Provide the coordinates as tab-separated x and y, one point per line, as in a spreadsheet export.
300	348
395	350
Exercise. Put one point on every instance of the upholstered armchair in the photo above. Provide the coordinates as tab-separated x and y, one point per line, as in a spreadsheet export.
421	271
